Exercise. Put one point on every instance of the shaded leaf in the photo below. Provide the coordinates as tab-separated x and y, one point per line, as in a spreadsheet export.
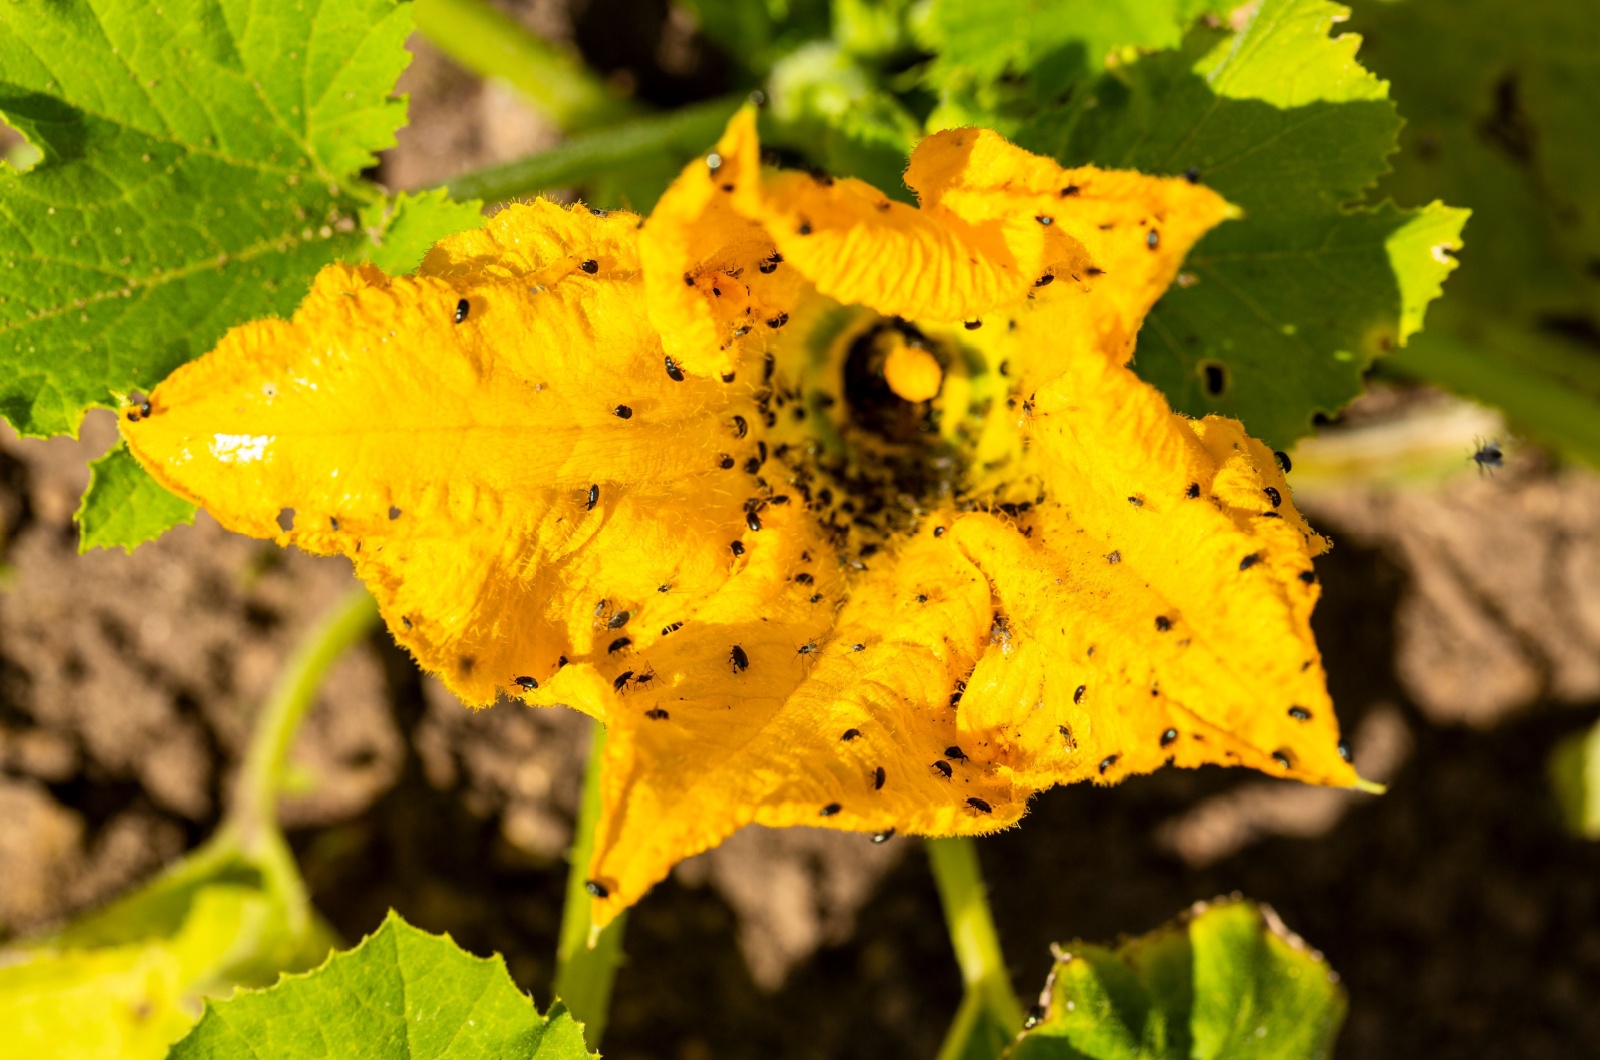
1278	317
1502	101
662	477
1225	980
401	993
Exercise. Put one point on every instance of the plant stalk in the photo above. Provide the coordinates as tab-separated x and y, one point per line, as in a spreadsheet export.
586	959
252	817
590	155
492	44
989	1008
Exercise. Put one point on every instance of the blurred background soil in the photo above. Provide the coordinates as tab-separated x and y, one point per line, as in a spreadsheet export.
1461	629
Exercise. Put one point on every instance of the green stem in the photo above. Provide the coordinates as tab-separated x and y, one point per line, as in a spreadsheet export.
253	815
590	155
586	959
990	1007
493	45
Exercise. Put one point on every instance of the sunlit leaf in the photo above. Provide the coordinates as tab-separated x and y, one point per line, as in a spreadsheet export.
1227	980
402	994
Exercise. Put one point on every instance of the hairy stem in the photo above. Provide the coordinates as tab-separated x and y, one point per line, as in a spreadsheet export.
586	958
990	1009
252	817
491	44
590	155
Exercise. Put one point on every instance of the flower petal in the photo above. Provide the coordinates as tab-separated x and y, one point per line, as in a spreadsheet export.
495	443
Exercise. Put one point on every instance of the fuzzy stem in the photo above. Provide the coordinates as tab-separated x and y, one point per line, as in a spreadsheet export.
590	155
253	815
989	1007
586	959
491	44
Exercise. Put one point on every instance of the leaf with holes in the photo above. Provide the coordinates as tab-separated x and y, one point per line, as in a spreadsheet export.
1225	980
199	162
835	510
1274	319
401	993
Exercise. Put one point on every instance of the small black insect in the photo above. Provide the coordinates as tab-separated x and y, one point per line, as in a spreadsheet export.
829	810
858	647
956	753
1193	491
878	777
1137	502
944	769
644	678
525	682
1107	762
144	409
1168	736
622	679
806	649
1488	456
590	266
740	427
1343	747
1152	239
752	520
1077	697
1069	190
1163	623
1299	714
1114	556
657	714
736	547
850	734
979	805
618	644
938	531
1046	221
1250	561
1044	281
394	513
883	836
741	661
463	307
674	373
805	228
594	497
1192	175
619	620
1309	577
1283	759
770	265
1273	495
803	578
972	325
671	629
622	412
726	463
597	889
777	322
1283	461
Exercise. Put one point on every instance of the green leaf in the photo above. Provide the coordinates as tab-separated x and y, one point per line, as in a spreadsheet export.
126	981
406	227
1277	316
827	105
1574	769
124	507
402	993
1502	100
199	162
1224	981
1045	44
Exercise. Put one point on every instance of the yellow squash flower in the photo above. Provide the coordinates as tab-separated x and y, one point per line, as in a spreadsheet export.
833	510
